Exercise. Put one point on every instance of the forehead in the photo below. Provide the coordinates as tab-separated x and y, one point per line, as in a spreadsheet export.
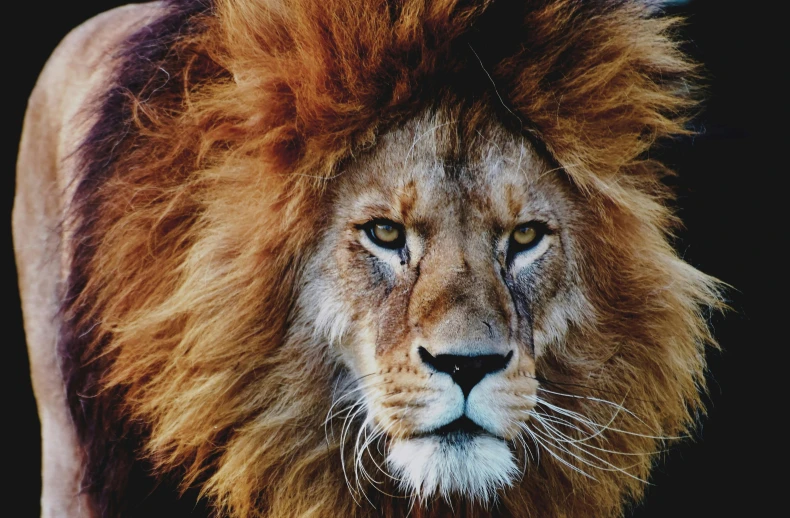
434	167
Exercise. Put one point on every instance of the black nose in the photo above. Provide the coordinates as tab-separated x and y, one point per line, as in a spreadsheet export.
467	371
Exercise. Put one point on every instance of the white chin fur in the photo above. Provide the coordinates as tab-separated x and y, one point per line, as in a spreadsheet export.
475	468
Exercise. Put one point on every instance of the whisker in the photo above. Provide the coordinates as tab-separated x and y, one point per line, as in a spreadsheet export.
584	433
605	427
546	381
527	453
348	422
567	439
620	407
331	415
359	407
369	432
556	456
336	401
611	467
378	433
381	433
575	415
358	465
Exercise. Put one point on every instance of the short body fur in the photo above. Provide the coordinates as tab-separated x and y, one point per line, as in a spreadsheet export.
214	314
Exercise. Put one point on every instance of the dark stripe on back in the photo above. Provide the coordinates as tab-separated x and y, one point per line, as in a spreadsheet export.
118	483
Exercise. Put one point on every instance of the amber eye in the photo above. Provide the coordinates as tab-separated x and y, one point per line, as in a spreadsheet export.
526	236
386	234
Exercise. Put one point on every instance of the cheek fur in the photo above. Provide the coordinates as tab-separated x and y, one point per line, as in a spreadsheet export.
378	292
365	272
534	288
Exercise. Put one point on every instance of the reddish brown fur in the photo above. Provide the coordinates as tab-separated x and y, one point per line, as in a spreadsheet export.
206	217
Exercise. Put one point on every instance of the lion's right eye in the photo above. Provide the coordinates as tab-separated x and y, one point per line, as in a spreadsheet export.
386	234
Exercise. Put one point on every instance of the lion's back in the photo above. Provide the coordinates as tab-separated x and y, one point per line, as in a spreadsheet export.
57	119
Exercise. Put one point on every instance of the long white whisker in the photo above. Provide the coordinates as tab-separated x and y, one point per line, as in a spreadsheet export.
362	408
545	418
611	467
348	394
331	413
378	433
343	432
527	452
620	407
603	428
358	456
525	428
369	432
567	439
582	419
557	457
570	424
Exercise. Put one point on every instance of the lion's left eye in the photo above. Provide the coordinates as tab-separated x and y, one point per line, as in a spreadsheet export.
526	236
386	234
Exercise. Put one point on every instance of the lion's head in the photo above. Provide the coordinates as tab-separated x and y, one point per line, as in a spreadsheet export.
446	268
484	312
392	257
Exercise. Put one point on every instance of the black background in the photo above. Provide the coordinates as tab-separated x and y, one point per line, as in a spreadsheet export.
729	175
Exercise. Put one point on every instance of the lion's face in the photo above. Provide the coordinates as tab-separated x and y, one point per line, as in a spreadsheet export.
442	276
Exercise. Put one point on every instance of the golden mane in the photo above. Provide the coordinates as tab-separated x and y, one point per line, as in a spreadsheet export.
206	173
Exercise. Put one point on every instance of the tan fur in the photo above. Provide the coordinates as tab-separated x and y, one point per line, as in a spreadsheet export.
228	288
55	123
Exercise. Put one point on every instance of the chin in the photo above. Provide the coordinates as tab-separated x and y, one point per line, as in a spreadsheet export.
475	465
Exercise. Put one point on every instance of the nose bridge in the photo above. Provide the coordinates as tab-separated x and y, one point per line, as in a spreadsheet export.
460	309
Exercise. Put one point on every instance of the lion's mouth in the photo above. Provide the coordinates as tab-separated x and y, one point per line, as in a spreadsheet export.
461	429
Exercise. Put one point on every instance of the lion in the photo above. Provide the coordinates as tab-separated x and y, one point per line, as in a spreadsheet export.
358	258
